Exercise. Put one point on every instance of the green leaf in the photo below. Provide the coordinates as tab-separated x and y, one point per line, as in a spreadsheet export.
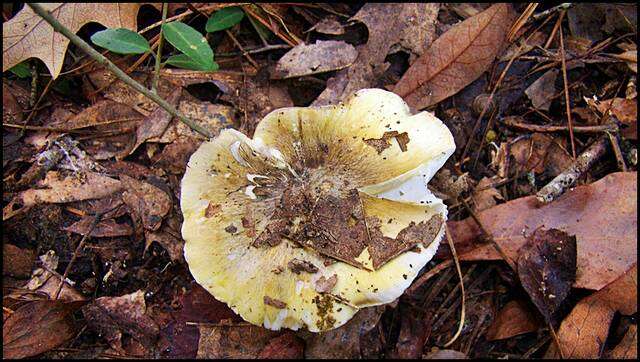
183	61
21	70
224	19
190	42
121	41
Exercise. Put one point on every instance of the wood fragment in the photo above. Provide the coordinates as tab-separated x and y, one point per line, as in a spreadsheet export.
568	178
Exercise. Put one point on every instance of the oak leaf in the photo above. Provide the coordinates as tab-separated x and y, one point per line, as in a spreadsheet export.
456	58
27	35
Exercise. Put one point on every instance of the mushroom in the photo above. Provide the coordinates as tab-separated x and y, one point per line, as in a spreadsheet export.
325	211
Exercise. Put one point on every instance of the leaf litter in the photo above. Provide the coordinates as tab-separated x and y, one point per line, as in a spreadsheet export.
104	149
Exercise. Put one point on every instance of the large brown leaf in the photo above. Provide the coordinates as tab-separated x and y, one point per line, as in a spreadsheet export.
37	327
456	58
602	216
585	329
27	35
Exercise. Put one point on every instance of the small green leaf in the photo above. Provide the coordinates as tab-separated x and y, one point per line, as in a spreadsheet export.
121	41
190	42
183	61
224	19
21	70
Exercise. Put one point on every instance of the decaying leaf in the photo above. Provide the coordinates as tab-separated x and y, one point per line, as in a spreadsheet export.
541	91
343	342
323	56
539	153
625	110
104	228
156	123
37	327
444	354
104	115
46	281
147	201
584	331
233	341
456	58
602	216
411	25
26	35
513	319
113	317
57	188
628	346
17	262
329	25
547	268
484	195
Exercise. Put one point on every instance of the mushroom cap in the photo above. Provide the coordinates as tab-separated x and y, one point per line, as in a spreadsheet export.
325	211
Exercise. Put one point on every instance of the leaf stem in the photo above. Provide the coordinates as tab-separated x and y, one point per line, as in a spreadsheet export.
154	86
58	27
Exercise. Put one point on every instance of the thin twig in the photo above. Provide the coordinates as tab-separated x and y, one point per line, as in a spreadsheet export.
462	312
554	30
566	95
568	178
556	340
58	27
564	6
256	50
551	128
156	78
93	225
617	152
244	52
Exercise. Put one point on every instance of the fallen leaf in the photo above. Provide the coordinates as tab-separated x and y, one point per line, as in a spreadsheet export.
328	25
583	332
539	153
343	342
46	281
542	90
415	327
233	341
456	58
114	317
104	229
285	346
175	155
26	35
147	201
212	117
323	56
626	111
628	346
11	109
105	115
172	244
514	319
17	262
547	268
411	25
602	216
445	354
485	196
61	189
198	306
37	327
155	124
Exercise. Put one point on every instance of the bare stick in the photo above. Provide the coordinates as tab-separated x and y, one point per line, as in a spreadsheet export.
114	69
568	178
566	94
510	122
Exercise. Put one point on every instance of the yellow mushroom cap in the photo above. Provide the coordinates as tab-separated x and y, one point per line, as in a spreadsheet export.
325	211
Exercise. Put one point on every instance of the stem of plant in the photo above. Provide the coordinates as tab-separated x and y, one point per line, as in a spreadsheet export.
154	87
114	69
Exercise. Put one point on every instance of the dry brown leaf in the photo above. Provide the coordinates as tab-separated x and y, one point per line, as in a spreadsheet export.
27	35
104	229
323	56
625	110
172	244
602	215
513	319
149	203
17	262
628	346
547	269
105	115
584	331
542	90
37	327
46	281
328	25
410	25
114	317
230	341
156	123
539	153
484	195
343	342
444	354
456	58
60	189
